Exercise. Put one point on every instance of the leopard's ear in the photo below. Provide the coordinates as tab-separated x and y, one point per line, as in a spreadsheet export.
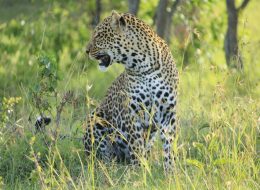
118	23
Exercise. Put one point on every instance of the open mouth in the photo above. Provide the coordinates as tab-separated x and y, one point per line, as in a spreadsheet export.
104	60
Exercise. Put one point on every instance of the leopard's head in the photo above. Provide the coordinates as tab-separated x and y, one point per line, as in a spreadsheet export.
106	40
124	39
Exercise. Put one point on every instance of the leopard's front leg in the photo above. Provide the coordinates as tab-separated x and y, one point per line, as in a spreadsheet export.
136	144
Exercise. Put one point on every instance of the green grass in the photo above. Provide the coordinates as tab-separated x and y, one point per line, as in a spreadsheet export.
217	146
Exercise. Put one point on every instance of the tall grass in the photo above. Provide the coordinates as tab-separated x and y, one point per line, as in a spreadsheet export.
217	145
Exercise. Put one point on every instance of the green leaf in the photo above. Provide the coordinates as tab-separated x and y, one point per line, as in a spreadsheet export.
222	161
195	163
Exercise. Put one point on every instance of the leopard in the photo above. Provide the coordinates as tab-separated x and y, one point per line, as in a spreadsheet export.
142	100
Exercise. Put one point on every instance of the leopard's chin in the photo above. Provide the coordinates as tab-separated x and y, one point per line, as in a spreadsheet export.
102	68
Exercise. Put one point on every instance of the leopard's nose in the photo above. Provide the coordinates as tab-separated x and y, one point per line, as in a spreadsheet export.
88	48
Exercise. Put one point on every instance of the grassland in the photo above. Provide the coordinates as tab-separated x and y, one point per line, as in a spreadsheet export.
218	143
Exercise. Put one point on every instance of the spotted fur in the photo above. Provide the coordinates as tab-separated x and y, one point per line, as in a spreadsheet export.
142	100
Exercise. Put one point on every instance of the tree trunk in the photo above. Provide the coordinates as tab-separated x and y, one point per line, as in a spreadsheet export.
163	18
133	6
97	13
169	20
232	53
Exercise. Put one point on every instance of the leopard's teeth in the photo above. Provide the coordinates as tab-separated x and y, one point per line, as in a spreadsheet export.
102	68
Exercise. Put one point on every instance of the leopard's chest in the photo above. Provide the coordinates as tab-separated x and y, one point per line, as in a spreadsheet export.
150	98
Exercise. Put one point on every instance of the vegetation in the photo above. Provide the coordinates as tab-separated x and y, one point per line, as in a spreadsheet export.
44	71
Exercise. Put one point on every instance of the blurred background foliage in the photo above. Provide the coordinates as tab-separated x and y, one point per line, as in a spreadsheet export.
62	29
43	62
